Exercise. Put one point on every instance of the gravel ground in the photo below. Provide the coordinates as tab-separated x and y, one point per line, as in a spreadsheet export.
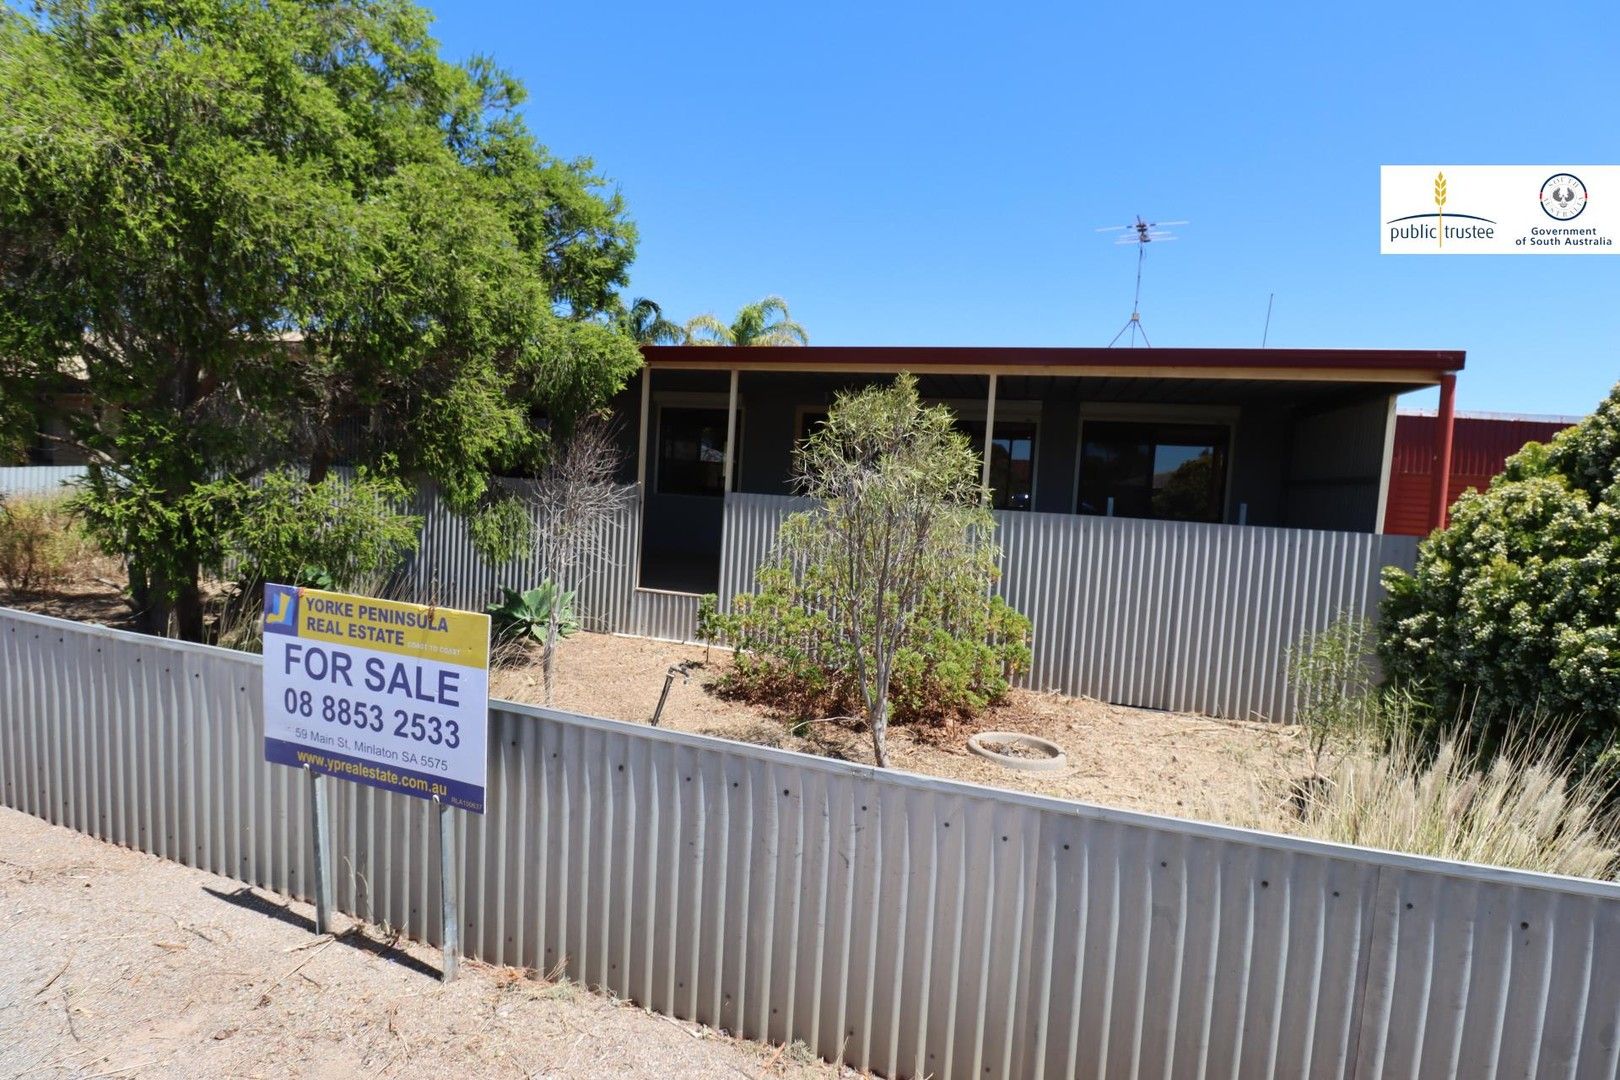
1138	759
118	964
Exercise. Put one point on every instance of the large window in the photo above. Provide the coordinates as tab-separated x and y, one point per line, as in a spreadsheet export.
692	451
1171	471
1012	461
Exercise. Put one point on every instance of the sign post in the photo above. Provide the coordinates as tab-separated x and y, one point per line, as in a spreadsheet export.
390	695
449	890
320	819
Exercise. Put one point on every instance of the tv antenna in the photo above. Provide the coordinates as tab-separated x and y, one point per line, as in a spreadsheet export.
1141	234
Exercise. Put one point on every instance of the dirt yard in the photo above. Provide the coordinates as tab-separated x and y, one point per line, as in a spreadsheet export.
1139	759
118	964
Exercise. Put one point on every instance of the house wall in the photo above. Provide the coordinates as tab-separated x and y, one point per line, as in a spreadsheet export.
1336	464
1319	470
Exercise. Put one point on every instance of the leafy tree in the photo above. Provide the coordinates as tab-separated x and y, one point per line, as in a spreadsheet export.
884	588
1514	607
246	221
765	322
644	321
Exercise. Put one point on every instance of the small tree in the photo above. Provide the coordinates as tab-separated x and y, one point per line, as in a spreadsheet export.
566	511
902	519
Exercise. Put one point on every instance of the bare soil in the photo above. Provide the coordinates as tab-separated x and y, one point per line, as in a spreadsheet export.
118	964
1139	759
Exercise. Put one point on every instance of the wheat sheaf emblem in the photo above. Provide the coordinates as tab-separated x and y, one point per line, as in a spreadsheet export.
1440	201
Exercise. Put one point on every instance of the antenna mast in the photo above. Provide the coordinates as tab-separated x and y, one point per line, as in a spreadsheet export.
1142	233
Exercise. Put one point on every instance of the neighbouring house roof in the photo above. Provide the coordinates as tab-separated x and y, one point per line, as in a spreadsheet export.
1501	417
1418	367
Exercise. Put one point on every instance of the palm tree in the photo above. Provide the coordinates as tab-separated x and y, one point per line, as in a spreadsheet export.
766	322
644	321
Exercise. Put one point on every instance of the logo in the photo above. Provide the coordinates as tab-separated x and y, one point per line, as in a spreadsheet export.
1417	226
280	609
1563	197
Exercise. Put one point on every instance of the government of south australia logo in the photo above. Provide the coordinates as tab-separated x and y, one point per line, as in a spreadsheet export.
1563	196
1441	224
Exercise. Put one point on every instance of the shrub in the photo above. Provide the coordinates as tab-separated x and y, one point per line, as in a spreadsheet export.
333	534
526	616
959	653
39	540
1514	607
1339	704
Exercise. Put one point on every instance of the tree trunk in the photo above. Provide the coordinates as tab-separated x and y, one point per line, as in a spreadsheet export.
320	463
880	730
143	601
188	607
550	654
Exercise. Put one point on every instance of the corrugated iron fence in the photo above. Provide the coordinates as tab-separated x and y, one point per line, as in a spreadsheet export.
908	925
38	479
1160	614
1165	615
447	569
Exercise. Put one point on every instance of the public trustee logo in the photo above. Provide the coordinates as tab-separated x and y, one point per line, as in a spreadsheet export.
1439	225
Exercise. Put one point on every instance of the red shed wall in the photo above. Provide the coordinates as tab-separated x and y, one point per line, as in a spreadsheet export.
1480	448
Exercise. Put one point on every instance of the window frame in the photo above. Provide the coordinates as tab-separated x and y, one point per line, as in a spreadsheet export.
696	401
1015	411
1223	416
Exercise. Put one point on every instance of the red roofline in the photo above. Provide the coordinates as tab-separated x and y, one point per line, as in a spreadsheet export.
1148	361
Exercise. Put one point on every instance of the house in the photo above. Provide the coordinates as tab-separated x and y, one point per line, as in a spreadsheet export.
1481	445
1296	438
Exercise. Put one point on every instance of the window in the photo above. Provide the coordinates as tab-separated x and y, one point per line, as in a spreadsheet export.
1012	461
809	421
692	451
1176	472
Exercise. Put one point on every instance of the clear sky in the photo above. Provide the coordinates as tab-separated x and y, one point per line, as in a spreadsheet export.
933	174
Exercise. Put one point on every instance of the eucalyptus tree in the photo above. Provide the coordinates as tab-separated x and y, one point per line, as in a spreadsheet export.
230	224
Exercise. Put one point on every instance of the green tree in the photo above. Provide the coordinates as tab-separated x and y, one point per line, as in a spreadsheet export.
902	528
1514	607
644	321
765	322
245	221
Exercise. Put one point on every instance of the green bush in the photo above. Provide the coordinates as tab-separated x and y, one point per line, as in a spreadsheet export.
958	656
1514	607
39	540
334	534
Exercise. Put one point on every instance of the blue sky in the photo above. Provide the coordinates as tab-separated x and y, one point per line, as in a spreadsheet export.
934	174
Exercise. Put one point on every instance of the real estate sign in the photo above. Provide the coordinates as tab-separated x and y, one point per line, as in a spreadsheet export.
383	693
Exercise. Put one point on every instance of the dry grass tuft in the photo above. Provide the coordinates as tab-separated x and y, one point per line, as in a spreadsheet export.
1522	808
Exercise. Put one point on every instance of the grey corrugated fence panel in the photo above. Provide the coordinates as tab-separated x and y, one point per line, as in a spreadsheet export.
38	479
751	523
666	616
446	569
916	926
1162	614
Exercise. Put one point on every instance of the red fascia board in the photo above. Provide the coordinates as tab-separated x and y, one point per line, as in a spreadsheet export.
910	358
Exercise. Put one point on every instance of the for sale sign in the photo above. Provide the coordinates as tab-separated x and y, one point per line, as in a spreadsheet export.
383	693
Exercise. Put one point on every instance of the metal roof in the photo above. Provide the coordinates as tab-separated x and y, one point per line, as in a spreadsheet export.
1403	365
